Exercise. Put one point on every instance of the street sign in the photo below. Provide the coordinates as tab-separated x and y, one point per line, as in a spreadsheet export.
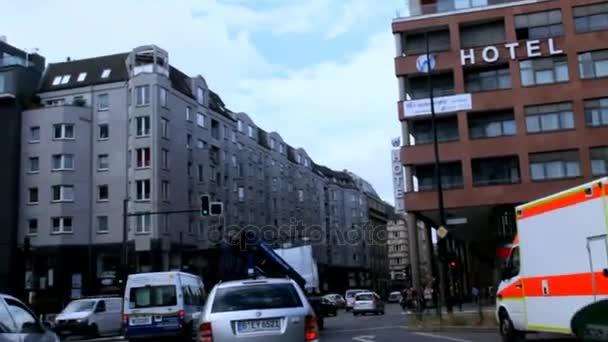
423	63
442	104
217	208
456	221
442	232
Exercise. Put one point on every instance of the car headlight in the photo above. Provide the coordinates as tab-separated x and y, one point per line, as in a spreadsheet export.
82	321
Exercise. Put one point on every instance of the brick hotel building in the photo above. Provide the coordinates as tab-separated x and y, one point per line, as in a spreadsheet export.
537	74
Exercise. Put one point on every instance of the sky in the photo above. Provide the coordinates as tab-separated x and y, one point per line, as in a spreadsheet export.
319	72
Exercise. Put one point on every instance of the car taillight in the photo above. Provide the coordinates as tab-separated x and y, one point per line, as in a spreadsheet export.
125	319
205	334
310	329
181	314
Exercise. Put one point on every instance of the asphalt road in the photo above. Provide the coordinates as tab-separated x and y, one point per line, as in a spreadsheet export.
391	327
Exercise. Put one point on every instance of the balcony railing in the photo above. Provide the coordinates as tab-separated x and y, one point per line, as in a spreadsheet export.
446	6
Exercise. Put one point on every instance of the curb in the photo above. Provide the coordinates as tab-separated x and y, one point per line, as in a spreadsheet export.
452	328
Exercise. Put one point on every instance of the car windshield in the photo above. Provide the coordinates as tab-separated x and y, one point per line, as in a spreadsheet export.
365	296
267	296
352	294
79	306
152	296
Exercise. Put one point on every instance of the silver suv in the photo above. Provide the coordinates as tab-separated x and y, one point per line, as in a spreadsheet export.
264	310
18	323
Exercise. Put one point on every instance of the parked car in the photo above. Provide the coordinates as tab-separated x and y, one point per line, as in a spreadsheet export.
350	297
368	302
329	307
162	304
19	323
337	300
90	317
258	310
394	297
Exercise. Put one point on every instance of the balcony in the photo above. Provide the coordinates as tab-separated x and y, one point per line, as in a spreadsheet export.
447	6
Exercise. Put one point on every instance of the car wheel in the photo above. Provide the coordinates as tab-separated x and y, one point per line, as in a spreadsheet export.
93	331
508	333
382	312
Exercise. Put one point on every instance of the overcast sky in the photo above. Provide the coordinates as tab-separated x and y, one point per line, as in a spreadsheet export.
319	72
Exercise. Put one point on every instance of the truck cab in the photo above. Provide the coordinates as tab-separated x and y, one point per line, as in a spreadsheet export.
510	311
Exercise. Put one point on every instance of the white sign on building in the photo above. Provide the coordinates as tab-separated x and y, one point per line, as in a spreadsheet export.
398	180
491	54
442	104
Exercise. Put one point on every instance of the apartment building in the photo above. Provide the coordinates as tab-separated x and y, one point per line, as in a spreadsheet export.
536	74
131	131
20	72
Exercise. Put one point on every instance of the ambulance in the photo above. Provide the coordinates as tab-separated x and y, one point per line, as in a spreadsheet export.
558	262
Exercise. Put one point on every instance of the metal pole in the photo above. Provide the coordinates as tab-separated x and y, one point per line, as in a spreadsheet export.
124	252
442	220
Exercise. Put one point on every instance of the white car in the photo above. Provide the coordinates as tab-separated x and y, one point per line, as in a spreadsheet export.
19	323
368	302
350	297
90	317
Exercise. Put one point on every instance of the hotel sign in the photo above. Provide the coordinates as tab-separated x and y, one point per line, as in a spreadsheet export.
491	54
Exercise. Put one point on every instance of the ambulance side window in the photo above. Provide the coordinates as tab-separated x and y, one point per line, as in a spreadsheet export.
514	261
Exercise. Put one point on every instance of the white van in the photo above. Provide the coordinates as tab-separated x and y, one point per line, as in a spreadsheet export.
91	317
162	304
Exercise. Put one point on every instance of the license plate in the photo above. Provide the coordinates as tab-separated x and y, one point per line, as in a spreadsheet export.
259	325
143	320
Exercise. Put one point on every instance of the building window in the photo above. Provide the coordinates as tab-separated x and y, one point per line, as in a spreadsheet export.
103	102
106	73
143	126
103	131
34	134
591	17
272	143
596	112
163	97
103	193
103	162
143	223
241	192
200	96
599	160
554	165
493	171
201	145
233	136
189	141
63	131
544	71
281	148
164	190
188	114
143	189
189	168
143	157
102	224
234	160
551	117
32	196
62	193
239	125
142	95
301	195
215	129
32	227
200	119
250	131
415	43
81	77
489	33
63	162
33	165
422	132
488	79
539	25
417	86
164	128
593	64
226	132
200	173
164	158
61	224
451	176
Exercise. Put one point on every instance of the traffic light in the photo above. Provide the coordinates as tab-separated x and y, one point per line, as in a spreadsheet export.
205	203
453	264
217	208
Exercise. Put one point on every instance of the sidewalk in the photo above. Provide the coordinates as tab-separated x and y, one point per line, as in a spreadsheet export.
469	319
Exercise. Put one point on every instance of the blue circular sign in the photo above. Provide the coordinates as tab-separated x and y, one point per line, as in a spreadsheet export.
424	64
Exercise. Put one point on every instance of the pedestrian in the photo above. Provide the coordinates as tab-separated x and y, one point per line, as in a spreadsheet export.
475	293
428	295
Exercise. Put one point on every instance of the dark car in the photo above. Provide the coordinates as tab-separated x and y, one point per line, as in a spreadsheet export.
323	308
19	323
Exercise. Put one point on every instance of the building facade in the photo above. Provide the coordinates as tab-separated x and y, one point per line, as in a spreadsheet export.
130	133
536	74
19	75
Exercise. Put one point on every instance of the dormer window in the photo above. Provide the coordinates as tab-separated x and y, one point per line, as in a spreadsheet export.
65	79
82	76
56	80
200	96
106	73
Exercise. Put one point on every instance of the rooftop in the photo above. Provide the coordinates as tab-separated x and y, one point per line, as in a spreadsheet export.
418	11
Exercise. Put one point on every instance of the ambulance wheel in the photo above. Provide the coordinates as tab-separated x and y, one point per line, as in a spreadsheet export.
507	330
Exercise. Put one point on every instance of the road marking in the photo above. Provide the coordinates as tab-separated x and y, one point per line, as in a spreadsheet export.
365	338
362	329
441	337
